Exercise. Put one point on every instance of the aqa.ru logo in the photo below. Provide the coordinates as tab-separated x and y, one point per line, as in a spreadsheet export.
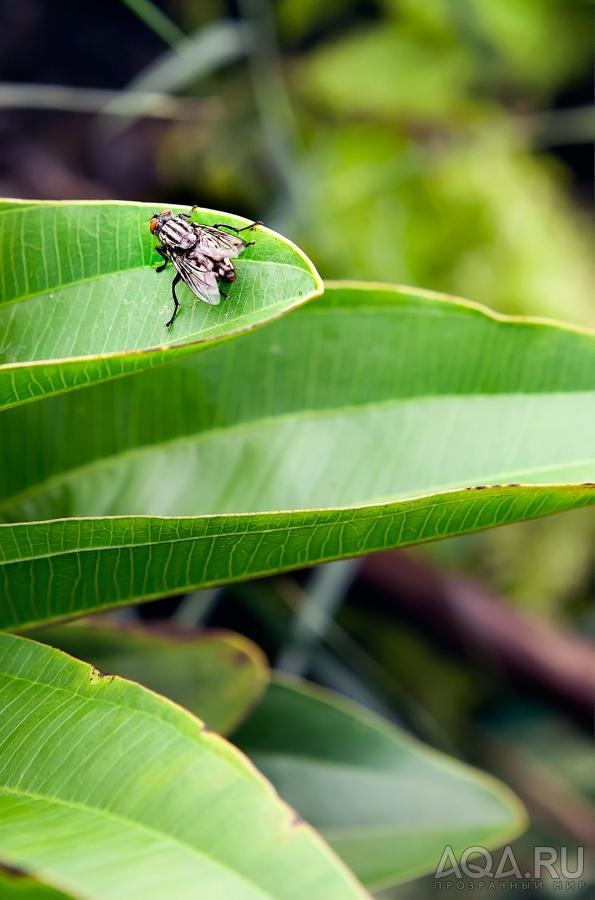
549	863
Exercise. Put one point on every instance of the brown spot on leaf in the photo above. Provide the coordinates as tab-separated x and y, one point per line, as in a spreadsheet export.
96	674
12	870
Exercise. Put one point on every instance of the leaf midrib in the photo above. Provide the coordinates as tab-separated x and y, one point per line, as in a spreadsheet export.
107	274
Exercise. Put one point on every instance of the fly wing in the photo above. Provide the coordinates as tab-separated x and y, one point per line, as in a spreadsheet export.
201	281
218	245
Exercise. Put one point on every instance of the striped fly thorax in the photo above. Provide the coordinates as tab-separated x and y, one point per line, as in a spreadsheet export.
177	234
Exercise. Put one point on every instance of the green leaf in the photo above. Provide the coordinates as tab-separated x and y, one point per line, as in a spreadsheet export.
108	790
16	886
218	675
80	301
368	420
385	802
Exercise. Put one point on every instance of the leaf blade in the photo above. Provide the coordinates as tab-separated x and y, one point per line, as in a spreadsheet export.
79	301
162	793
143	565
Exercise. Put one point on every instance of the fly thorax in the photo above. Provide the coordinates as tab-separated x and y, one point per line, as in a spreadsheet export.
178	234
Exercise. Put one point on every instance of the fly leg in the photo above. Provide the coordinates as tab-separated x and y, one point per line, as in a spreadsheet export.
229	227
177	278
223	277
164	255
220	225
235	230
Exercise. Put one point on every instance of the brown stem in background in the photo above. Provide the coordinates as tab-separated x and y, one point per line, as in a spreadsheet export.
468	618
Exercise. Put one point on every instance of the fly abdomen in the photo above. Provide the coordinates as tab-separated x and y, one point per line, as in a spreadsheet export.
178	234
225	270
198	257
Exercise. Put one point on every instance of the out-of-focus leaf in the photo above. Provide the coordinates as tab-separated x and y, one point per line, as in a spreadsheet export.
387	804
109	791
508	43
344	76
216	675
297	20
521	33
357	425
80	301
482	218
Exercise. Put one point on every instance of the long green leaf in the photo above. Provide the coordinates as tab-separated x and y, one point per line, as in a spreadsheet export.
385	802
374	418
110	791
80	301
216	675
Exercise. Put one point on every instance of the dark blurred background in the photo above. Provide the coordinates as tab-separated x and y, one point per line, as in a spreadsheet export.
439	143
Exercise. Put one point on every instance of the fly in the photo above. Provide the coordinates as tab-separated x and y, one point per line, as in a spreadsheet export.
200	253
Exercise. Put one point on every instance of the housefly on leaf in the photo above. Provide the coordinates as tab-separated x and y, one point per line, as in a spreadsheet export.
200	253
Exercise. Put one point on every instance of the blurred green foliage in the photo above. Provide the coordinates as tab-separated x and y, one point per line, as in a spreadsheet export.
417	149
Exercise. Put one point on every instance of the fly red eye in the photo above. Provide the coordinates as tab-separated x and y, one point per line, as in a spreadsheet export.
165	212
153	224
